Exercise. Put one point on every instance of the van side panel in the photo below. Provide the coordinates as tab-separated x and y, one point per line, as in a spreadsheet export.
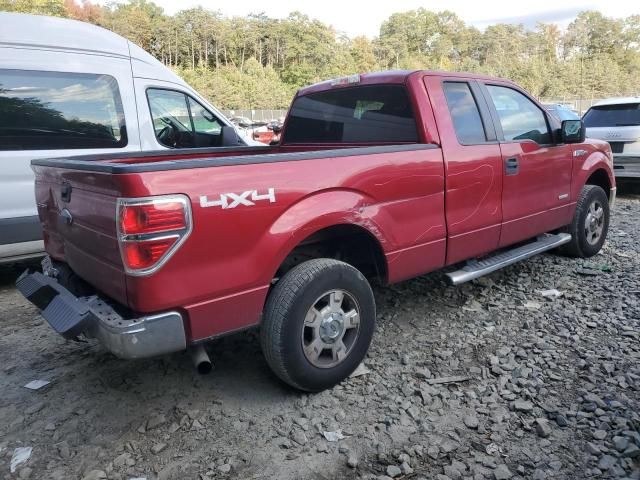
18	215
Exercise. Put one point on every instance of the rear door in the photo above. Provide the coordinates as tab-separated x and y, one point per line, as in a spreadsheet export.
536	171
473	166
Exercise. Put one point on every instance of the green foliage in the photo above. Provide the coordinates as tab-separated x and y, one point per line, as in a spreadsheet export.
55	8
259	62
226	87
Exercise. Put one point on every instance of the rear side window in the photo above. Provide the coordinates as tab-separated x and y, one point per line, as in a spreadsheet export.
520	118
626	114
366	114
54	110
464	113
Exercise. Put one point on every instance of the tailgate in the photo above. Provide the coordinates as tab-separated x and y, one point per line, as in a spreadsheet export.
77	210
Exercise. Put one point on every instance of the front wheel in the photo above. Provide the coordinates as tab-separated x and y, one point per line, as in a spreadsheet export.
590	223
318	324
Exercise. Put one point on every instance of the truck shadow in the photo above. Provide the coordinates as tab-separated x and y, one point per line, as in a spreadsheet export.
10	272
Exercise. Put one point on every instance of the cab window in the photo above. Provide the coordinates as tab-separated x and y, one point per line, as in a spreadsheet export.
464	113
520	118
179	121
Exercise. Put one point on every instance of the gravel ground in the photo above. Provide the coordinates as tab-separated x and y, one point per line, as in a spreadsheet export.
493	379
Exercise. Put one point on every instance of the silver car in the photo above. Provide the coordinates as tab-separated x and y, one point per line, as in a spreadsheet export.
617	120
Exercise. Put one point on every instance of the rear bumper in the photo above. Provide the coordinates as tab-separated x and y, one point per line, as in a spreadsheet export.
70	316
626	167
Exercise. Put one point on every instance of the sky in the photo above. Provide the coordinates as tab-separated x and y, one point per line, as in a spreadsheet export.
364	17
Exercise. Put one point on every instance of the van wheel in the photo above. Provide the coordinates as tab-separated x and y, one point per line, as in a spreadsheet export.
590	223
318	324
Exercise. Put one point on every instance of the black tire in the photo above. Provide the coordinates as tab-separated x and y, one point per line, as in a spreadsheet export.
580	245
289	302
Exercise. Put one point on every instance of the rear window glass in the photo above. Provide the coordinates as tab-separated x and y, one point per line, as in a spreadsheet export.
613	115
53	111
366	114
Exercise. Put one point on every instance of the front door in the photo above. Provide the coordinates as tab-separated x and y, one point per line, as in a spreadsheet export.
536	172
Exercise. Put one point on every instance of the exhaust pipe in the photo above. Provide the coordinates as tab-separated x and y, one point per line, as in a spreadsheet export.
201	359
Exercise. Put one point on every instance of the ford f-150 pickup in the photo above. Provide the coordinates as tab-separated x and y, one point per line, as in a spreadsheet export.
382	176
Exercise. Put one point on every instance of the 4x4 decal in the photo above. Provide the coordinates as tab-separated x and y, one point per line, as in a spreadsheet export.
233	200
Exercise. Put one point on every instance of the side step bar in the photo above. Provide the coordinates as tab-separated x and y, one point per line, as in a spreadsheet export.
477	268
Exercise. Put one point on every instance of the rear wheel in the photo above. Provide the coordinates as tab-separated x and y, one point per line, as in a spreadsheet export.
590	223
318	324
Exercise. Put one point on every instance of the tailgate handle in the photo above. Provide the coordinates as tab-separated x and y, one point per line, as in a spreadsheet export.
65	192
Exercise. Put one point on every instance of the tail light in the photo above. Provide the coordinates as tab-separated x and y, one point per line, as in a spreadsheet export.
150	230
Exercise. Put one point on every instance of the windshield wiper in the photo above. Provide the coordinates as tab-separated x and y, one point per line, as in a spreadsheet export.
628	124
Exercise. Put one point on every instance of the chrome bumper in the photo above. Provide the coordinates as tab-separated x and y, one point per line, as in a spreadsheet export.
70	316
626	167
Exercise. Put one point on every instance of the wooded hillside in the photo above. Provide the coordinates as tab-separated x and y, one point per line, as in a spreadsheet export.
259	62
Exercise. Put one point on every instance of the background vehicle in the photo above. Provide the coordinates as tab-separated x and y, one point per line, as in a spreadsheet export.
85	90
374	178
244	122
561	112
617	120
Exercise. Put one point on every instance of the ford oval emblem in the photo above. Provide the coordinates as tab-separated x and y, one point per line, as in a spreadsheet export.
66	215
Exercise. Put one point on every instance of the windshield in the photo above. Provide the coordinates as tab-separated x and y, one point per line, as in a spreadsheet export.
625	114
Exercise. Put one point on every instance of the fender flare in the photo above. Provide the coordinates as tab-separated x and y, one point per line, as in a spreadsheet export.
330	208
596	161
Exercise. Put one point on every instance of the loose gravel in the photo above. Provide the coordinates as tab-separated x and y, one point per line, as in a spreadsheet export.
496	379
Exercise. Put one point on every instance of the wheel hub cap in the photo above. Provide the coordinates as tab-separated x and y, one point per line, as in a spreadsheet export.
594	223
331	328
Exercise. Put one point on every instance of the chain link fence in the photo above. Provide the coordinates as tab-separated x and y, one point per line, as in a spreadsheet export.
579	105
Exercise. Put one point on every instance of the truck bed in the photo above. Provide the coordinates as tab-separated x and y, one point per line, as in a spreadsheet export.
369	186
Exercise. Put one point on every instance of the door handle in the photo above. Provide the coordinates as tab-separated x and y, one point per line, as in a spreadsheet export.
511	166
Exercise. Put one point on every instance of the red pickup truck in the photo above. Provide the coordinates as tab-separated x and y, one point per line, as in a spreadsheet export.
378	176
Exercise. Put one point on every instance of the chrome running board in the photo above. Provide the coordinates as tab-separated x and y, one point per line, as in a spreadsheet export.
477	268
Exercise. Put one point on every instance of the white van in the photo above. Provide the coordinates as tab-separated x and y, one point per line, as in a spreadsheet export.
72	88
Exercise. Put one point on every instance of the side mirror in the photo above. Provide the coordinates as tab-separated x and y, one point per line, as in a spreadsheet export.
207	115
572	131
229	136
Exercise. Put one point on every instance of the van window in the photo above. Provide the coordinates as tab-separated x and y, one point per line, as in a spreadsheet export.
365	114
179	121
54	110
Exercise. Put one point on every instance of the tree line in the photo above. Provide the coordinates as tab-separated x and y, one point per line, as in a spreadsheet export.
259	62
